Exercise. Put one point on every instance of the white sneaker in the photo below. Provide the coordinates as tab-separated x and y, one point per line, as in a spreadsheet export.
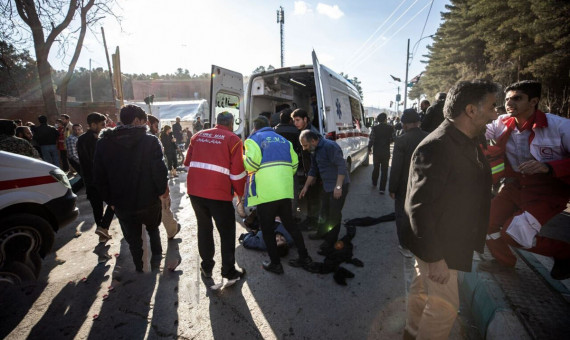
406	252
102	232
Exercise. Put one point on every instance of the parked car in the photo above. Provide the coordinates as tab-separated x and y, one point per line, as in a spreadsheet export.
35	201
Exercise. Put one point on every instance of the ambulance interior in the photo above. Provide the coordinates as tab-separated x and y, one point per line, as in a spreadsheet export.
278	91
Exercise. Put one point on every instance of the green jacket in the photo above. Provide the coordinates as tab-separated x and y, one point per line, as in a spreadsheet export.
271	164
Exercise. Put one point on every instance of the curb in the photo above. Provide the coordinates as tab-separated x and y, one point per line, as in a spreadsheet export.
492	314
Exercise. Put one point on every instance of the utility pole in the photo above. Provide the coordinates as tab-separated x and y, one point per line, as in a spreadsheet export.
281	22
406	81
109	65
90	83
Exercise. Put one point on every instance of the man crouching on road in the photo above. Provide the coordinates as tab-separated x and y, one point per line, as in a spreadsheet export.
215	167
271	163
131	176
448	201
328	162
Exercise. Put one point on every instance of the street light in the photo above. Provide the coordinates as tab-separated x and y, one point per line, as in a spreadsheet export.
408	63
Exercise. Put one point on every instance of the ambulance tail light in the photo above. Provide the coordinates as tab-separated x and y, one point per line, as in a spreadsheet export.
331	135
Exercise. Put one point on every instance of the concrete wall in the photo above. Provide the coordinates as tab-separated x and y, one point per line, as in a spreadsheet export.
77	111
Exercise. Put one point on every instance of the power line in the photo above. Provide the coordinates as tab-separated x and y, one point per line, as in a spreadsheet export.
422	34
373	34
363	55
390	38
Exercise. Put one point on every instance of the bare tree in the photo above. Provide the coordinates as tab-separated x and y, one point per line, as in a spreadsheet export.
45	22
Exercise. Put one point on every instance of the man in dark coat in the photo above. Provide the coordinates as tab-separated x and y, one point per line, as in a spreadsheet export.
404	147
448	202
131	176
380	139
434	114
85	151
46	136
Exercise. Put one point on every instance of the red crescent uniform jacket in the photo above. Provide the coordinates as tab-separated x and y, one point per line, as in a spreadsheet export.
215	164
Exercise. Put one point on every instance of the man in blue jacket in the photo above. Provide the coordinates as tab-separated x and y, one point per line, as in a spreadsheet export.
131	176
328	162
271	163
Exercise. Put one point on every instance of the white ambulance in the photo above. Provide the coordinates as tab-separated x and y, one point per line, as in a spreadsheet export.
333	102
35	201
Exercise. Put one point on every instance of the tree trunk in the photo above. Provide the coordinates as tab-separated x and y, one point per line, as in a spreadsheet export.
46	83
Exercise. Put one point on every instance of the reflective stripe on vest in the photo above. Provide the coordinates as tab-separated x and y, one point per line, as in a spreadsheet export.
498	168
217	168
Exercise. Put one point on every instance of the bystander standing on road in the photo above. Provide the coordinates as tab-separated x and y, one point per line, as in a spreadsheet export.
537	185
448	200
312	197
85	151
215	173
379	145
66	129
328	162
424	105
71	146
271	163
10	143
46	136
434	114
168	142
404	147
177	131
170	223
197	125
130	173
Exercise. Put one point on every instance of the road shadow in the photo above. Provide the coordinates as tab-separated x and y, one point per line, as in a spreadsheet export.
69	309
303	305
230	316
125	313
16	302
166	301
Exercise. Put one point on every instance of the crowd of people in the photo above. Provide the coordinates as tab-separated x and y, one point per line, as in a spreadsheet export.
446	160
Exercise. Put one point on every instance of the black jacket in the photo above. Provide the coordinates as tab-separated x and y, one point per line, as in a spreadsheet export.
128	168
290	132
380	139
85	150
449	197
46	135
433	117
404	147
167	143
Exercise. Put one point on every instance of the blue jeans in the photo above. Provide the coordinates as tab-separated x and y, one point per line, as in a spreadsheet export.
50	154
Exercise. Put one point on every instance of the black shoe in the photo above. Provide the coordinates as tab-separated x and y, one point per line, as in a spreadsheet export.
206	273
561	269
276	268
301	261
316	235
234	274
381	192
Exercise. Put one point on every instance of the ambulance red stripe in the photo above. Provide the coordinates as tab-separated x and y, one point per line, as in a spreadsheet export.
26	182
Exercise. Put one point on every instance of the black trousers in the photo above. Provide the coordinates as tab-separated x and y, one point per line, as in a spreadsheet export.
381	168
267	213
313	198
103	216
222	212
63	159
131	225
403	226
171	160
79	184
332	212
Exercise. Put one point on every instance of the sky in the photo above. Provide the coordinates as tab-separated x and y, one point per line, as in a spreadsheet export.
363	38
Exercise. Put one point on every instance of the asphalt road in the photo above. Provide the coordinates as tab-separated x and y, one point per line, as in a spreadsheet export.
83	295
